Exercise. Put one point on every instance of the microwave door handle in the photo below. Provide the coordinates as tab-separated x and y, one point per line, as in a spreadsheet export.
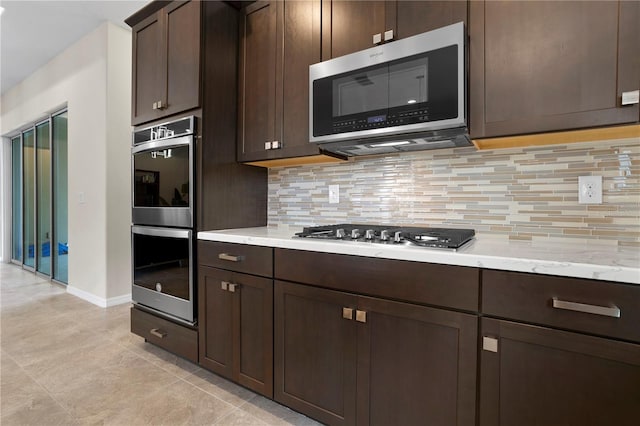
164	144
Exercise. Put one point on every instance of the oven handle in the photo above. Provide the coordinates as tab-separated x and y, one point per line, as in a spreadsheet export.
161	232
163	144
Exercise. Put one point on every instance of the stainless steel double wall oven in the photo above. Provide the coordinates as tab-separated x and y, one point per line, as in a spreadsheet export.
163	231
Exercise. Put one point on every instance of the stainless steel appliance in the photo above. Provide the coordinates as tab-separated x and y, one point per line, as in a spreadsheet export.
163	174
442	238
162	235
406	95
163	261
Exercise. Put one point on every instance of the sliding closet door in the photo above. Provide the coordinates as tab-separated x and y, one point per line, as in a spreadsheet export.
29	198
60	199
43	198
16	199
39	200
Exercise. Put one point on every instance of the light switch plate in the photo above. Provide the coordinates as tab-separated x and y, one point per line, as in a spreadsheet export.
334	194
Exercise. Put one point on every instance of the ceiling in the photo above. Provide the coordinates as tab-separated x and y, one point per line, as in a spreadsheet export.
34	32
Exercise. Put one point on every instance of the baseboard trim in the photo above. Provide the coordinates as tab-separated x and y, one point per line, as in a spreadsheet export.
99	301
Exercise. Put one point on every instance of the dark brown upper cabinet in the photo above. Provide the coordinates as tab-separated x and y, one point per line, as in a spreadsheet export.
350	26
549	66
278	42
166	62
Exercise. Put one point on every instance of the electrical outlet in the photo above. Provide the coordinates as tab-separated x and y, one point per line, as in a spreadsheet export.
590	189
334	194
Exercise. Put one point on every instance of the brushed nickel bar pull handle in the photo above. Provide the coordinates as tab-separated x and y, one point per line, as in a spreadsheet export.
233	287
158	333
613	311
224	285
230	257
361	316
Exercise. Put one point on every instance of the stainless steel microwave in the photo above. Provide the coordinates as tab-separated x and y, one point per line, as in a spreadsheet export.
406	95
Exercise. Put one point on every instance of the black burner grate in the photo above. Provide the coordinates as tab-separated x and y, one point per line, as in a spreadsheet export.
449	238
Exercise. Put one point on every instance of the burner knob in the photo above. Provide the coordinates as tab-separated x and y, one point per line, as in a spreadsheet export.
384	235
397	237
355	234
340	233
369	234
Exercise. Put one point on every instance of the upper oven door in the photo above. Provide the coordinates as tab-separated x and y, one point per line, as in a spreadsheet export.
163	181
410	85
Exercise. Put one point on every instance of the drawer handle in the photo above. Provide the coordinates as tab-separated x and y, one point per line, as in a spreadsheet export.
158	333
227	286
347	313
230	257
613	311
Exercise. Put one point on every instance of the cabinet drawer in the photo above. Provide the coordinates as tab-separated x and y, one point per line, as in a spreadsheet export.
180	340
598	307
254	260
426	283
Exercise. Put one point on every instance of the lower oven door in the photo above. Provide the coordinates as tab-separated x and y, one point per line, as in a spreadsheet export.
162	271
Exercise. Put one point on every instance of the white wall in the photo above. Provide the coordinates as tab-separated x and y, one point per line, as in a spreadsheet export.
118	163
92	77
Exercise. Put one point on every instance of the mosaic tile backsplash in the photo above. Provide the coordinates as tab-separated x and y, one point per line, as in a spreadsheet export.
524	193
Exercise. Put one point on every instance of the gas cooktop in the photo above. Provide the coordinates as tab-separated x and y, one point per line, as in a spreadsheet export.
445	238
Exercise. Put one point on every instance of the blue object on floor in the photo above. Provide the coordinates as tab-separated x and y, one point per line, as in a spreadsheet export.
63	248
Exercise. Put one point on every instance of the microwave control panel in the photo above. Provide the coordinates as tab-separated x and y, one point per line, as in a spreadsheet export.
382	120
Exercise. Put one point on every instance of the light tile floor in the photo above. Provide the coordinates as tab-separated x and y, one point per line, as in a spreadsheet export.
64	361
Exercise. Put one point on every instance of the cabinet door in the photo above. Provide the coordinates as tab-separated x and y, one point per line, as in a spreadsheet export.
235	315
547	66
257	83
539	376
183	57
215	321
416	365
409	18
149	74
349	26
300	48
315	352
253	332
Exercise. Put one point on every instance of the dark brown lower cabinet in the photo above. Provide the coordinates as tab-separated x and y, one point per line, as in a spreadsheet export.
416	365
346	359
540	376
236	327
180	339
315	352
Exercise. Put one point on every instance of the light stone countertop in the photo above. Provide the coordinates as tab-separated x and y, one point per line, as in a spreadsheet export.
579	259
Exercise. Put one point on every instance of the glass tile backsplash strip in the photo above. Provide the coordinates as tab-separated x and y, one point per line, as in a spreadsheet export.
524	193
